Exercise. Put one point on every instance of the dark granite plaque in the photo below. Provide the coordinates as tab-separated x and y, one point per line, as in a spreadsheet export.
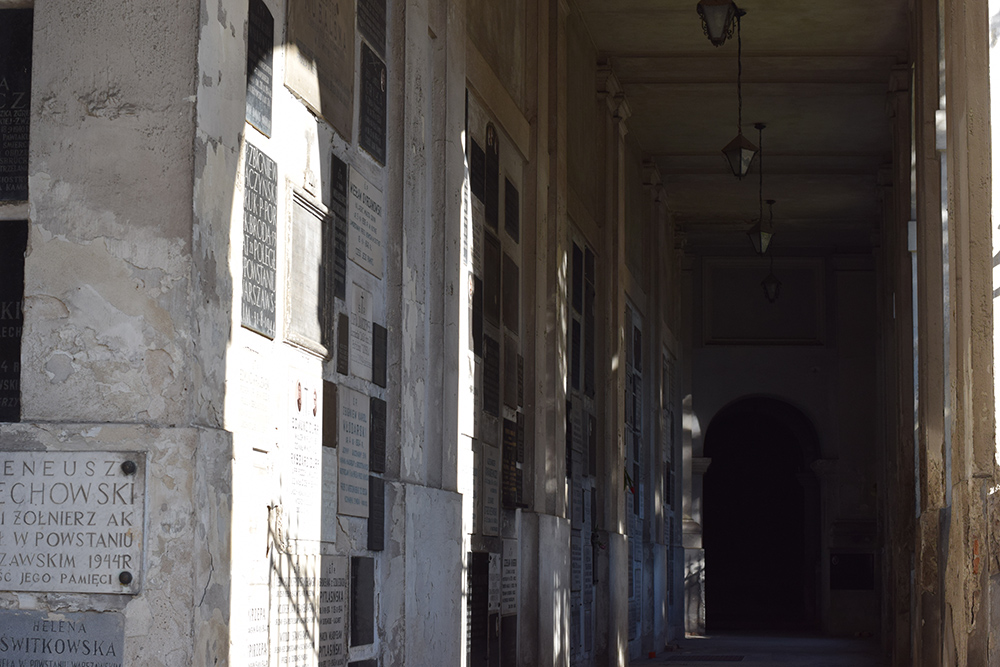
479	590
15	102
338	209
509	481
491	279
511	294
43	639
329	414
376	434
520	380
376	513
371	23
520	437
343	343
13	243
510	372
491	376
588	341
576	268
574	355
512	211
362	600
491	187
371	133
477	171
378	354
363	663
494	649
260	46
260	237
508	640
477	316
592	443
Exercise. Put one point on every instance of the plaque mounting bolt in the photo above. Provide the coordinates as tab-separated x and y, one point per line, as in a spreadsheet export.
125	577
129	468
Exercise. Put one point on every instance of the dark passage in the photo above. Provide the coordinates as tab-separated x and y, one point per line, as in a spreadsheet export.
760	527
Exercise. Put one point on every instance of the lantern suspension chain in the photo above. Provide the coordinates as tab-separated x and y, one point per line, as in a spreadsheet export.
739	74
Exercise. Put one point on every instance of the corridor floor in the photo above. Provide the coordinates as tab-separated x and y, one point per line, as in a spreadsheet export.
765	651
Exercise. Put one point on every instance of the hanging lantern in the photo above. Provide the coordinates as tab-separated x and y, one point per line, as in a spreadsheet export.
717	19
771	286
740	153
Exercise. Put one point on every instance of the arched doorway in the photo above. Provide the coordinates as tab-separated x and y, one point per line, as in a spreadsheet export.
761	518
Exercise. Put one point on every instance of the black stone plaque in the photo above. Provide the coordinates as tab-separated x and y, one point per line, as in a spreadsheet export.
338	209
477	316
362	600
511	294
260	237
520	380
363	663
376	434
491	376
510	372
329	414
376	513
520	437
491	279
508	640
44	638
577	271
378	354
574	355
343	343
477	171
512	211
592	443
479	590
371	23
15	102
371	134
260	46
494	657
509	481
491	186
13	243
588	341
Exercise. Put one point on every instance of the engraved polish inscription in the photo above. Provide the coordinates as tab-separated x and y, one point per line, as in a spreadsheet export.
371	134
15	98
260	232
260	47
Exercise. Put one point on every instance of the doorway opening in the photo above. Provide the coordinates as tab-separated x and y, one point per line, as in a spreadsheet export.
761	519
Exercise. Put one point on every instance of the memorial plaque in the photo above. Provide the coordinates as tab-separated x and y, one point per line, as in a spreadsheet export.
592	444
311	277
363	663
379	342
353	451
508	640
520	380
511	294
376	440
479	582
376	513
61	639
15	102
332	645
574	356
588	627
72	522
477	170
512	211
491	187
477	487
520	437
362	600
330	491
589	336
491	490
510	499
491	279
510	372
302	481
260	47
343	343
366	226
260	238
13	243
294	607
508	602
371	115
256	639
329	414
338	209
319	65
477	315
576	616
491	376
361	332
495	583
577	284
371	23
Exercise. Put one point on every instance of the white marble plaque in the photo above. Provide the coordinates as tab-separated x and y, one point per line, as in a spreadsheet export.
302	478
328	523
495	583
491	490
294	610
361	332
71	522
365	231
508	585
256	638
334	574
67	639
352	447
254	392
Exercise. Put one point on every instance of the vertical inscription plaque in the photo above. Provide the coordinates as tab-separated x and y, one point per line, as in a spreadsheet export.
361	333
491	490
362	600
302	483
260	47
491	187
338	208
13	243
510	372
379	342
332	645
376	415
364	235
371	133
491	279
353	451
510	499
310	291
477	170
319	66
376	513
343	343
15	97
43	639
329	493
491	376
512	211
260	234
371	23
